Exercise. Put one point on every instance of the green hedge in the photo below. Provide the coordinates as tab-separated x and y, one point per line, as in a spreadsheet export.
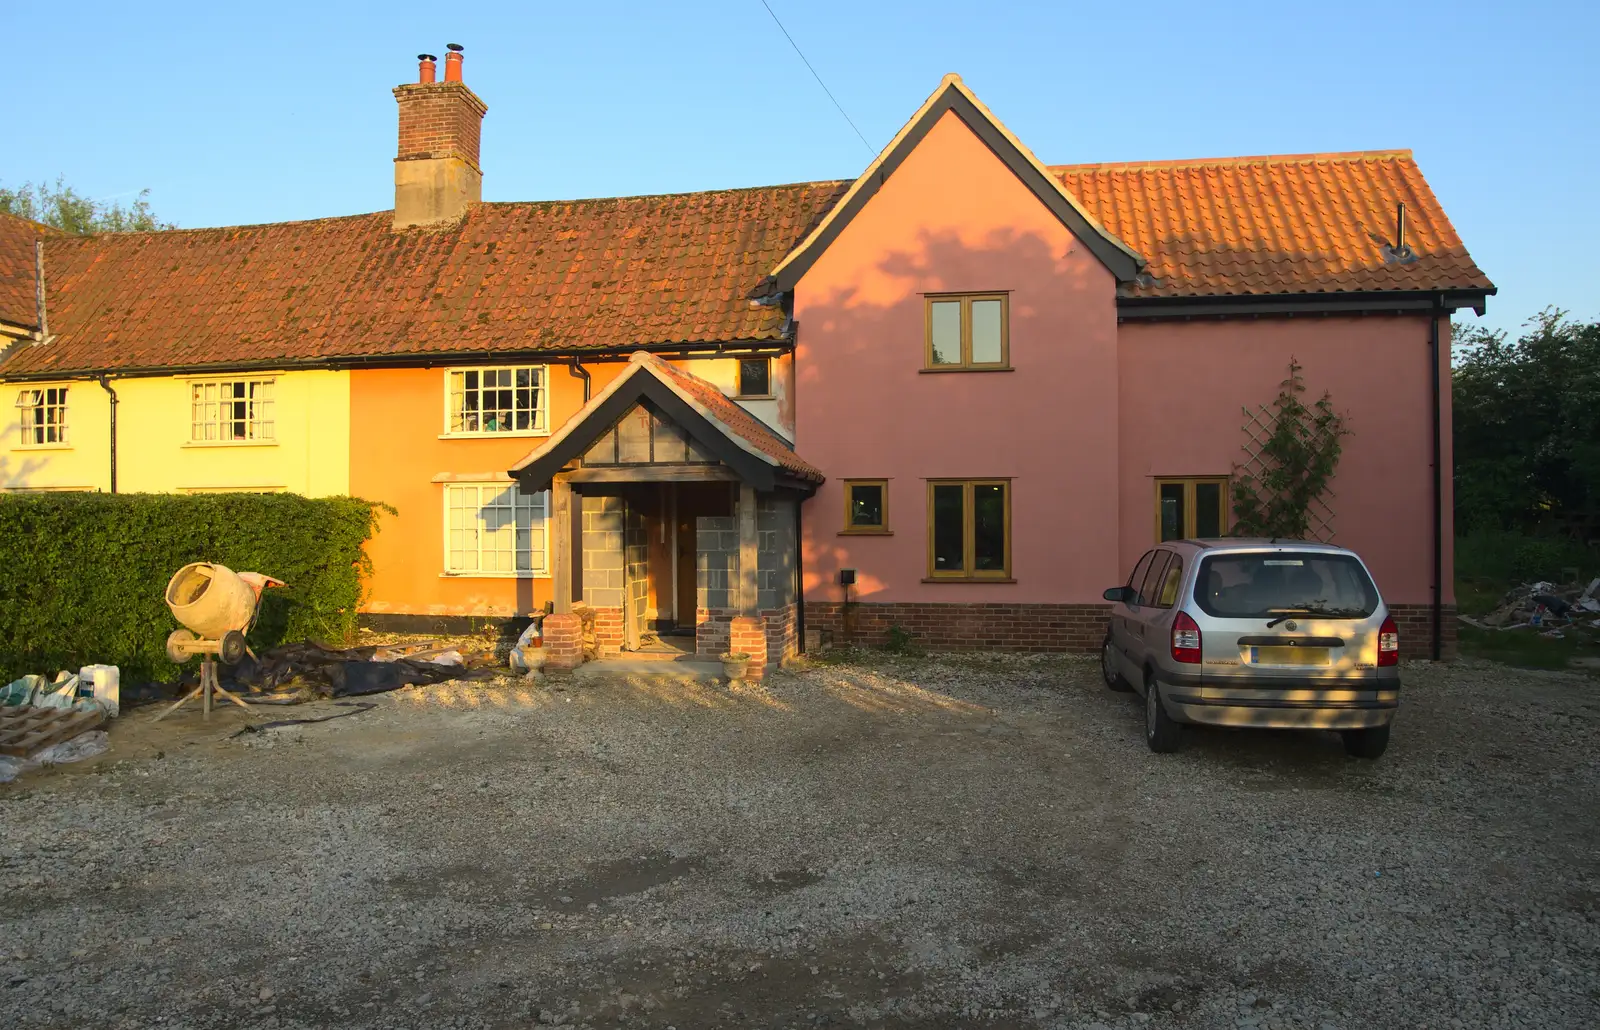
83	576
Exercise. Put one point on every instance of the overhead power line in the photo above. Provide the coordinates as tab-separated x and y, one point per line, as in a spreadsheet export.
814	75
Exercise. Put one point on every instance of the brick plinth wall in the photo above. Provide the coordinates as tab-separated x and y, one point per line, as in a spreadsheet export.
563	642
1416	630
967	627
748	634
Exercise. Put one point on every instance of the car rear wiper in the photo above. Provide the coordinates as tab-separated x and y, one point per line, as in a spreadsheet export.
1318	610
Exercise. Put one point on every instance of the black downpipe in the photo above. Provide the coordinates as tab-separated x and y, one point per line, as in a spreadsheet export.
577	371
1437	650
105	384
800	574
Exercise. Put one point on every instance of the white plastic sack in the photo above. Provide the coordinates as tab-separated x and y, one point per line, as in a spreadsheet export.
448	658
84	745
11	768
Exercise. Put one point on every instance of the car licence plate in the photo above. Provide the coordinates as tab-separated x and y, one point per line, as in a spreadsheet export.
1288	655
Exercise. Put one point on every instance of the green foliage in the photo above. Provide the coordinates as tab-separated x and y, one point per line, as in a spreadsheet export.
898	639
83	576
65	208
1298	460
1527	427
1497	559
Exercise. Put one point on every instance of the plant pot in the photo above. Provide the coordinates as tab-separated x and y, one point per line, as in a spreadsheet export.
735	665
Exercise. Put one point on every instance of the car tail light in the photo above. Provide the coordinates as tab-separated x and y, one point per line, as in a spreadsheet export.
1388	642
1185	640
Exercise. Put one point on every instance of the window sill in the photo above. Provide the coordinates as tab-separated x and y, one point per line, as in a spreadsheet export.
968	580
230	443
866	532
42	447
494	575
755	397
512	434
964	368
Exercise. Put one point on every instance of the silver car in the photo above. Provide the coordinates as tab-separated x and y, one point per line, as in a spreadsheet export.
1255	633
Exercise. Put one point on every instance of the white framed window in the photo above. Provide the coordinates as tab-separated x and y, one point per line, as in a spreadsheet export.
231	411
494	529
496	399
42	415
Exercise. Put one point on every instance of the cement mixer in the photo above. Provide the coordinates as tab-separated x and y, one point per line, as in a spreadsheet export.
218	606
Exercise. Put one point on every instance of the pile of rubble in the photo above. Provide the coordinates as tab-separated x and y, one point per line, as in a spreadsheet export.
1546	608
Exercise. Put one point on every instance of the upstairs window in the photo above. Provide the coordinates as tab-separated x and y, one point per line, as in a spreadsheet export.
968	332
506	399
755	377
231	411
42	415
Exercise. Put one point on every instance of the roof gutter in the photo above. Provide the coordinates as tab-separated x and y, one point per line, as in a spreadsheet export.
1373	302
733	348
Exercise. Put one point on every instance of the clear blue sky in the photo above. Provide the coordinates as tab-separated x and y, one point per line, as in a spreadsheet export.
239	113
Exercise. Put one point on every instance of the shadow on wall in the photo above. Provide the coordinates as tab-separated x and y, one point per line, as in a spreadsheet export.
15	474
864	409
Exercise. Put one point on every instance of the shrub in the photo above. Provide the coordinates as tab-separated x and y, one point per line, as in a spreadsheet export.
83	576
899	639
1501	559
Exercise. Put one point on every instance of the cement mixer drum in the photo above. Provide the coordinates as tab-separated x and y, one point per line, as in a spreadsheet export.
211	600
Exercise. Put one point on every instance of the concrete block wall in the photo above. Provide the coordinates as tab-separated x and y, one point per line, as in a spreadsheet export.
716	563
636	556
775	555
603	556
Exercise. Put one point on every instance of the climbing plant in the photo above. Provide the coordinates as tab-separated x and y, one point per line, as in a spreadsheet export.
1291	461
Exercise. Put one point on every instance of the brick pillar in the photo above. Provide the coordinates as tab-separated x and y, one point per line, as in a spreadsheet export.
748	634
563	641
608	632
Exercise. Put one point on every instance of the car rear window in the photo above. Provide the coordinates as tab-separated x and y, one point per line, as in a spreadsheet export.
1271	583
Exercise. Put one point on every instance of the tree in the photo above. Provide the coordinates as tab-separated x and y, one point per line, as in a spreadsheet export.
1527	426
1274	492
65	208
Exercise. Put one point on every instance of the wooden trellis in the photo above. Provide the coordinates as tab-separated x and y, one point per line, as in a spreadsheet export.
1258	429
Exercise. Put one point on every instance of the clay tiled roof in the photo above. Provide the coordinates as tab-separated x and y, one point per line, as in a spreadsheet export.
741	428
736	420
574	275
17	301
1308	223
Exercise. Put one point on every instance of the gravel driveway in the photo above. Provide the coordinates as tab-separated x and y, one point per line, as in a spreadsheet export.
897	842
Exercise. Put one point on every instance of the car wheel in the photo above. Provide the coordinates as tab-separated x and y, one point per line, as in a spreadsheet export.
1367	743
1108	668
1160	731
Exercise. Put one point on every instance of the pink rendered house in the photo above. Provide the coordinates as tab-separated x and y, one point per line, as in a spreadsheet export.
1018	378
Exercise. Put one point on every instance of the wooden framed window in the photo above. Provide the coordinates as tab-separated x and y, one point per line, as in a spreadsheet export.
969	529
494	529
1191	509
42	417
866	506
232	411
755	377
970	331
508	399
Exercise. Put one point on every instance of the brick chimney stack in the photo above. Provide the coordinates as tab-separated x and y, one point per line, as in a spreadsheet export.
436	173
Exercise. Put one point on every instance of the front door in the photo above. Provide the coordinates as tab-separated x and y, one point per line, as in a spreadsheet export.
695	501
